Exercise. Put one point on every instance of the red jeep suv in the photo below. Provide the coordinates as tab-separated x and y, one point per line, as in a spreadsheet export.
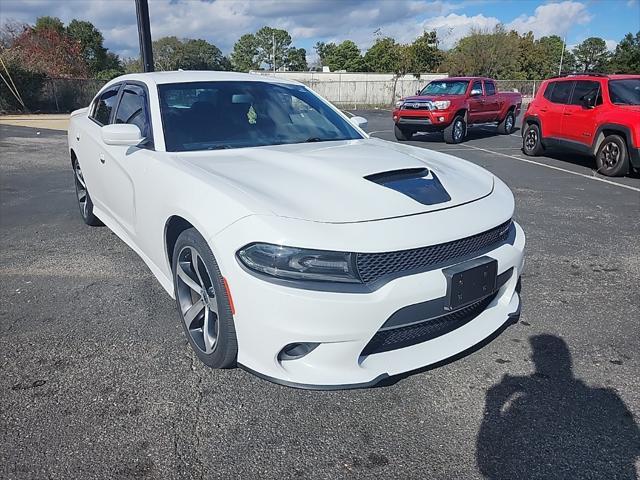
592	113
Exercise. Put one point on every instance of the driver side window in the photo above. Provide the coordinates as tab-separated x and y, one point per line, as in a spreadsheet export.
476	87
133	109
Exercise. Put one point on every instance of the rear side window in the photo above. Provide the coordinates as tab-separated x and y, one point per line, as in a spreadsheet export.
561	92
549	90
105	105
489	88
132	109
585	90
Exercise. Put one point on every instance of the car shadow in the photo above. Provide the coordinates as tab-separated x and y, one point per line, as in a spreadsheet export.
551	424
473	133
581	160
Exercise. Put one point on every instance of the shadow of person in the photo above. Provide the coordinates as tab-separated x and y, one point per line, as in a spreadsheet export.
550	425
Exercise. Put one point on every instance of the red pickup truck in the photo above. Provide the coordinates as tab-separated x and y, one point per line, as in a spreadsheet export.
451	104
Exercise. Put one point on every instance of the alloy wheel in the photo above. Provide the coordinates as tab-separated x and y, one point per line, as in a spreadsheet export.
458	130
509	123
197	299
610	155
531	140
81	189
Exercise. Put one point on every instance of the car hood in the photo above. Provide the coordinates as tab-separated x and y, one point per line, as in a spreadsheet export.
431	98
344	181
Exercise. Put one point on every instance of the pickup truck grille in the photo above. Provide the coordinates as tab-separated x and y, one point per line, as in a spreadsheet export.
373	266
417	106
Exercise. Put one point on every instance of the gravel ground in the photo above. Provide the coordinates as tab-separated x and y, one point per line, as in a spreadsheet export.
98	380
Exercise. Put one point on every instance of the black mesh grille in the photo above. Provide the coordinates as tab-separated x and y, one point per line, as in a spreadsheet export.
392	339
372	266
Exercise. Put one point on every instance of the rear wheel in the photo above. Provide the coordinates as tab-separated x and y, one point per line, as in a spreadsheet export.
532	141
612	158
456	132
84	199
203	302
506	126
402	134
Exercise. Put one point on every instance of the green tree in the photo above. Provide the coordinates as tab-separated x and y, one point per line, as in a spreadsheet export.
269	41
425	54
93	50
344	56
384	56
172	53
49	23
297	60
550	52
592	55
245	53
626	58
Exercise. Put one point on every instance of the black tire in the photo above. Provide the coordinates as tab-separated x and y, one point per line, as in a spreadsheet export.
612	158
456	131
508	123
213	312
403	134
532	141
82	196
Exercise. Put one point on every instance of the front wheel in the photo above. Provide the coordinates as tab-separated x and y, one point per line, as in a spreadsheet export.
203	302
402	134
612	158
84	199
506	126
532	141
456	132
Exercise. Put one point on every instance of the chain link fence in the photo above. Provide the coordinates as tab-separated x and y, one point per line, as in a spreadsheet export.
63	95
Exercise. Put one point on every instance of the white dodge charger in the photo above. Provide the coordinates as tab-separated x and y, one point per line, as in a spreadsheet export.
295	245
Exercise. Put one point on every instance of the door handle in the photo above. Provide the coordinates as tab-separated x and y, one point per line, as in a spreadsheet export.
78	136
567	114
102	159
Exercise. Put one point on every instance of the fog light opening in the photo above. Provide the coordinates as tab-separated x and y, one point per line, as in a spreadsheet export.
294	351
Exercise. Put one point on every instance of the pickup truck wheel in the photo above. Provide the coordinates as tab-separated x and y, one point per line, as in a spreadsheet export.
455	132
532	141
505	127
203	301
84	199
612	158
402	134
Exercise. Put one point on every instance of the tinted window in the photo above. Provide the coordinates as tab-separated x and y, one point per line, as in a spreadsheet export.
215	115
105	105
561	92
132	108
489	88
585	91
445	87
477	86
549	90
625	92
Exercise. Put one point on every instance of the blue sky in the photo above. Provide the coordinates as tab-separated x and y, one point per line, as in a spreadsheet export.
223	21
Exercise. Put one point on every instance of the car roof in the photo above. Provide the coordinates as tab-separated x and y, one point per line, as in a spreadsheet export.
593	76
466	79
185	76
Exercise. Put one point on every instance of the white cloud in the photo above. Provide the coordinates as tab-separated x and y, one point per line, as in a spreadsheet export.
611	44
552	19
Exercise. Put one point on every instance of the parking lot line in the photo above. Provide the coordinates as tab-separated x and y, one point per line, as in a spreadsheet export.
526	160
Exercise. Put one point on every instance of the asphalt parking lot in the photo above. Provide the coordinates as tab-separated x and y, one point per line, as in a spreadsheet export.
98	380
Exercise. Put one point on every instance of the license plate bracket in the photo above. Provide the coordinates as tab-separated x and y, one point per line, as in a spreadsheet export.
470	281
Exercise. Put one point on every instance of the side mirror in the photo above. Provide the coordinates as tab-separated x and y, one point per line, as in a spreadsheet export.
125	134
476	92
360	122
418	92
588	102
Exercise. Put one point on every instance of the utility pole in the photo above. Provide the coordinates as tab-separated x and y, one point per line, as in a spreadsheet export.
273	40
144	35
564	43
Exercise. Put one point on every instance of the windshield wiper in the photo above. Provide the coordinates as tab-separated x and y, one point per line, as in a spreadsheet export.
219	147
314	139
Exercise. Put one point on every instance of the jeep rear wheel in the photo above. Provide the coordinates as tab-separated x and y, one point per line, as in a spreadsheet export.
612	158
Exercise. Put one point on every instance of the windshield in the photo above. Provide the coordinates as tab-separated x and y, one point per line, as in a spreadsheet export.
625	92
443	87
217	115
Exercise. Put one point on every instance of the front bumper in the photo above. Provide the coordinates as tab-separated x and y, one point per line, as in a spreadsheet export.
423	120
270	316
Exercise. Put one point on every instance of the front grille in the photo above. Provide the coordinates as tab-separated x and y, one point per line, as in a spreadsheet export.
392	339
373	266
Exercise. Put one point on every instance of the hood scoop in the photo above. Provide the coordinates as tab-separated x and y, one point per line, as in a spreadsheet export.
420	184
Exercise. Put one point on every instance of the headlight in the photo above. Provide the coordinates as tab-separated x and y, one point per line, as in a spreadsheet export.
399	103
442	104
299	263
